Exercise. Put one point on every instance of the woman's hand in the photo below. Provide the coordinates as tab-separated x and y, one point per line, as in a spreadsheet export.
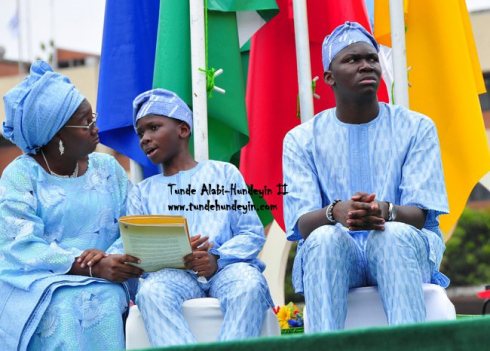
90	257
116	268
200	243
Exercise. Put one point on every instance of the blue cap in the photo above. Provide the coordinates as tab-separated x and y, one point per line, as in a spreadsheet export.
343	36
161	102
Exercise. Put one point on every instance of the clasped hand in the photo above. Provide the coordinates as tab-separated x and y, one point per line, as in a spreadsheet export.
361	212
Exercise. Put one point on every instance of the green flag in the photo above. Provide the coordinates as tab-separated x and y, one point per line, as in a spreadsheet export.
227	117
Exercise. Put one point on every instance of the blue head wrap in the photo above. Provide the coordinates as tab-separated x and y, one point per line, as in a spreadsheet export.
343	36
161	102
38	107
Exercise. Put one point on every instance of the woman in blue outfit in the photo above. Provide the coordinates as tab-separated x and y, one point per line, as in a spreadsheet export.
60	274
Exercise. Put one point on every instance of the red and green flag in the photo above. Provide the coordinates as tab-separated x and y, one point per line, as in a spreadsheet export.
272	87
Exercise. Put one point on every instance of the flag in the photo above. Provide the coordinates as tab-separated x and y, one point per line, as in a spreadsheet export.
445	79
147	45
272	88
126	70
227	115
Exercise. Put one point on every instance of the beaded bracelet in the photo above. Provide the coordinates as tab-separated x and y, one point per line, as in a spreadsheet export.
329	211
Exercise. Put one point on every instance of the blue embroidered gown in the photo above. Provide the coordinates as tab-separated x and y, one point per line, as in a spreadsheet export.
396	156
45	223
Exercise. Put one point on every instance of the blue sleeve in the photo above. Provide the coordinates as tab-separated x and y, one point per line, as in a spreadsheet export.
23	246
135	202
122	187
422	182
247	231
304	193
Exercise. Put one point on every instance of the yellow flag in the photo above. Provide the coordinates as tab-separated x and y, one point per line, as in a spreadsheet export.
382	20
445	79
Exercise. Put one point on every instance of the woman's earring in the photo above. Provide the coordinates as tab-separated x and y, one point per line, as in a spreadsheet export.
61	147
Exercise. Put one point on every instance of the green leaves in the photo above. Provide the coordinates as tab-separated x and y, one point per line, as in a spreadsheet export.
467	257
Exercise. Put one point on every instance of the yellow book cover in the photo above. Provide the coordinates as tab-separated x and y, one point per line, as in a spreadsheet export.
158	241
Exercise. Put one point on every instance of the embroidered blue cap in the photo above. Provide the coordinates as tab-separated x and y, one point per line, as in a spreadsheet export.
161	102
343	36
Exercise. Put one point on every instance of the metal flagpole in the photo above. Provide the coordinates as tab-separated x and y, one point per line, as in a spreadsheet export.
199	93
399	53
303	59
276	248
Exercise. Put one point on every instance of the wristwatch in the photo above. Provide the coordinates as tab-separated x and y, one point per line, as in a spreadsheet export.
391	212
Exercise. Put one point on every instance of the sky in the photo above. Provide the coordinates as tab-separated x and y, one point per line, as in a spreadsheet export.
73	24
477	5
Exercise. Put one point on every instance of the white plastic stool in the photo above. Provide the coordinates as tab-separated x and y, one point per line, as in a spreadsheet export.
364	307
204	317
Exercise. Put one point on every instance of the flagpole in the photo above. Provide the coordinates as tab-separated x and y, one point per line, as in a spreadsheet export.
199	94
303	59
276	243
399	52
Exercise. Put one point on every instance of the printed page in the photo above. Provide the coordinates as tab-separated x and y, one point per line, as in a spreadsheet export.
157	245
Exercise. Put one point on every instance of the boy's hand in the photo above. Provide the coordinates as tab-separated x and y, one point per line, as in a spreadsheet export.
202	262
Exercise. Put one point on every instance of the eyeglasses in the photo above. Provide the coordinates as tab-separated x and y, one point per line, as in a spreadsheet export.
89	126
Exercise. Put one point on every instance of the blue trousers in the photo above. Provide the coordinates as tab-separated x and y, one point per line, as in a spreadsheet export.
335	260
241	289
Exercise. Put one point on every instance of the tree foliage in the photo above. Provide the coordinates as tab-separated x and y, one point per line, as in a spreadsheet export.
467	257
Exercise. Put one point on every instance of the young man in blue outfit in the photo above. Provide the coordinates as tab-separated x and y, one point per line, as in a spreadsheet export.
366	188
228	233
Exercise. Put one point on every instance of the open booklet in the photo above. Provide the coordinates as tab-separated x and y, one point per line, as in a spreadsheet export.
158	241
